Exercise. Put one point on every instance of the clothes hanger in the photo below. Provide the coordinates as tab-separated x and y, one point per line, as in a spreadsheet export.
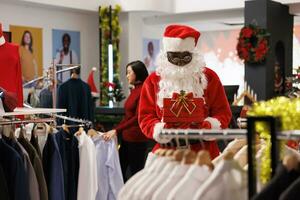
203	158
178	155
189	157
41	128
170	152
290	162
65	127
80	130
22	130
11	132
92	132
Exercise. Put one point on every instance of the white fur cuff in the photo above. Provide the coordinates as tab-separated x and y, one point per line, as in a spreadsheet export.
214	122
158	127
2	40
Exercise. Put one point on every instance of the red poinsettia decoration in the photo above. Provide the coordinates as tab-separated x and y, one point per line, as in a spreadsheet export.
253	44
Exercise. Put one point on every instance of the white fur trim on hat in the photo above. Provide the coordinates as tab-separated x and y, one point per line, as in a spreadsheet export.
178	44
214	122
2	40
158	127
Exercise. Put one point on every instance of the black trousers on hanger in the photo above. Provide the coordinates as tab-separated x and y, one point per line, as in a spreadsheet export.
132	157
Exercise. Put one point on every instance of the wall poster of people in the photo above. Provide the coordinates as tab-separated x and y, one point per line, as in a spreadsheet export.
150	52
30	40
65	49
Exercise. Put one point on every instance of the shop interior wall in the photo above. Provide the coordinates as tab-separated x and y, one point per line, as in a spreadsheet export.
48	18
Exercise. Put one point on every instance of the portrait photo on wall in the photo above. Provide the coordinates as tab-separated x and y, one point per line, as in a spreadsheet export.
150	52
30	40
7	36
65	50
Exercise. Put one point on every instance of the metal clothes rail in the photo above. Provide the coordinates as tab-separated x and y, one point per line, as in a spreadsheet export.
249	133
46	76
16	121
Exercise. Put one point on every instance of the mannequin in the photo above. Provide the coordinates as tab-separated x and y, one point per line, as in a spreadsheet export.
10	68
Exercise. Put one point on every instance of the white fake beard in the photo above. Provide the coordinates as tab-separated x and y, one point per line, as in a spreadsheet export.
173	78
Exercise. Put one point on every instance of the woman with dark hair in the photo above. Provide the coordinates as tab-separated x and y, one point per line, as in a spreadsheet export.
28	61
134	145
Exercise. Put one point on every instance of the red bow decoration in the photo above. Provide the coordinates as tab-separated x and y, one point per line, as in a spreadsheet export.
182	101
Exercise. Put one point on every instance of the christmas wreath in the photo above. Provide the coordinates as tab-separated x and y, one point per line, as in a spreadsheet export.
253	44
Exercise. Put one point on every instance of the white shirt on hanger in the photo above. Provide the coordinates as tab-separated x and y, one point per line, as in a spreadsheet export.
186	187
148	178
147	194
87	178
227	182
129	184
110	179
176	175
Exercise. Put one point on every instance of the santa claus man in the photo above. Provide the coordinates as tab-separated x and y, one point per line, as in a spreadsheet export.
181	67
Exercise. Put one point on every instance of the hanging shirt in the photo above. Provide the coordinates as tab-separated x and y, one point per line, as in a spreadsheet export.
14	172
87	179
131	182
37	166
187	187
68	149
147	179
227	182
292	192
75	96
53	169
10	70
34	193
281	181
157	183
165	188
14	144
46	99
3	186
110	179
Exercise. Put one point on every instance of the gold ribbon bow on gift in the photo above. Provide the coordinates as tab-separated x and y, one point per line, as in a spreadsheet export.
182	100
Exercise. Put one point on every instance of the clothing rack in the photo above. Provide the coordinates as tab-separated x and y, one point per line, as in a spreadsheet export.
249	133
14	121
86	123
71	67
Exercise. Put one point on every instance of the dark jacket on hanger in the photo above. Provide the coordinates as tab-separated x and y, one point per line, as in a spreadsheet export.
53	170
3	186
69	152
13	144
292	192
282	179
14	172
75	96
34	142
37	166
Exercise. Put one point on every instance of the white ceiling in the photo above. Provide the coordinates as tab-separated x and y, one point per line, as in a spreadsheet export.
206	14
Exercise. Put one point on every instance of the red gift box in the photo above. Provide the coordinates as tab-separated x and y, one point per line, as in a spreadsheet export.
183	107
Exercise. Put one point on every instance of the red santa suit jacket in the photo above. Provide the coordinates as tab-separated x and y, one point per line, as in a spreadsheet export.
218	109
10	70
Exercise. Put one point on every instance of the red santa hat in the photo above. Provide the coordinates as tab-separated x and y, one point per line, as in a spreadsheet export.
2	39
91	83
180	38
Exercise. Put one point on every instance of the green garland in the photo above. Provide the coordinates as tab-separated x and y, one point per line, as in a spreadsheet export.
105	29
288	110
